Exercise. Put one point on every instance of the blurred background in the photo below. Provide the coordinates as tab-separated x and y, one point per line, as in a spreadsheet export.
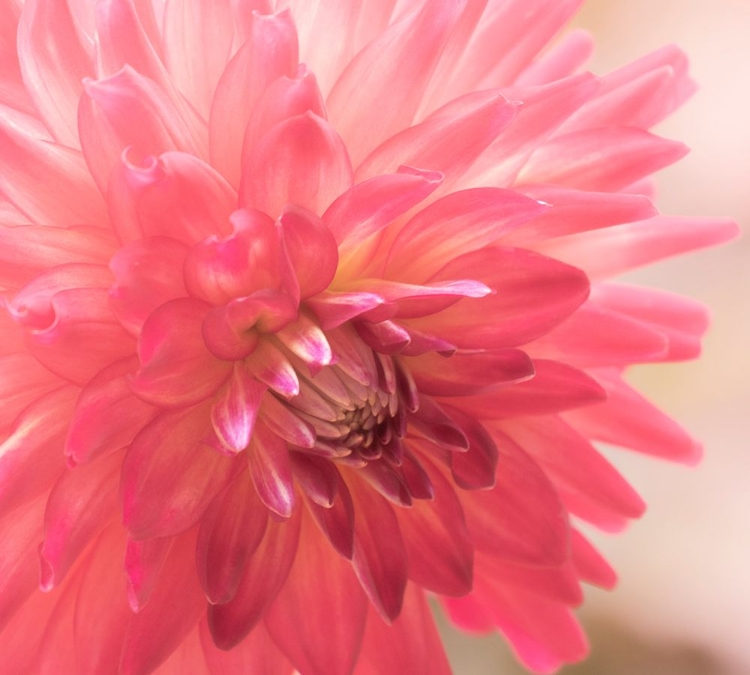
683	603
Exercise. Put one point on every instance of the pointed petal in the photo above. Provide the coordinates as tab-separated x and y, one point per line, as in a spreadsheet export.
143	564
271	471
234	413
322	587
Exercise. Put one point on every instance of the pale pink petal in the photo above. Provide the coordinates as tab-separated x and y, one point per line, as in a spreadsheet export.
197	43
628	419
561	61
128	110
269	53
637	244
31	456
171	341
397	66
306	340
175	195
69	196
53	63
448	141
148	273
300	161
607	159
322	587
264	576
271	367
230	532
169	476
286	424
24	380
410	645
458	223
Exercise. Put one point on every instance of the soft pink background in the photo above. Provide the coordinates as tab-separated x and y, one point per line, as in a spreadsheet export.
683	603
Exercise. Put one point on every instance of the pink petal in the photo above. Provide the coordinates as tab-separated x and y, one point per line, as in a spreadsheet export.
397	66
20	533
637	244
175	195
285	423
589	564
607	159
264	576
449	141
284	98
24	381
410	645
476	468
573	464
269	52
143	563
188	655
234	413
230	532
467	373
385	337
28	250
169	476
322	587
81	503
31	456
71	197
300	161
534	293
148	273
458	223
311	248
271	471
521	519
304	338
562	60
197	43
367	207
379	554
337	521
53	63
629	420
554	387
572	211
433	422
271	367
150	639
107	415
256	654
171	345
131	111
335	309
318	478
437	541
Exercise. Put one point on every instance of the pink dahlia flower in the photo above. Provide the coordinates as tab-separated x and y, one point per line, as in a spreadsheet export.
308	317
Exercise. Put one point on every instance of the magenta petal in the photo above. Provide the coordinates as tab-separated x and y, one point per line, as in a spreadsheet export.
334	309
271	367
379	555
80	504
476	468
263	578
322	585
169	476
589	564
433	422
271	471
230	532
300	161
234	413
171	345
337	521
148	273
318	478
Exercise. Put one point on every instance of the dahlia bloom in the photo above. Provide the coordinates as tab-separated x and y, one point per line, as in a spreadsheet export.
307	317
